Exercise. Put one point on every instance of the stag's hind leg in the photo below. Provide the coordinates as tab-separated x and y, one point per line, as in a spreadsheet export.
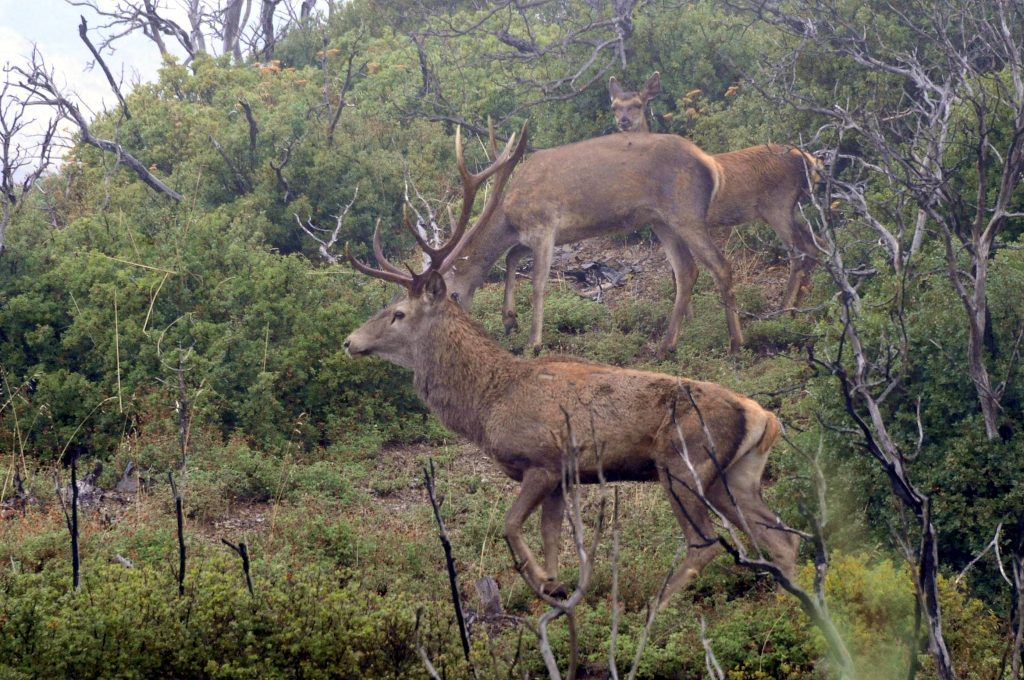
743	505
702	544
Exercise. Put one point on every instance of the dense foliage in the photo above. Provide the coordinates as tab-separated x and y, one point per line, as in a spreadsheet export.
121	310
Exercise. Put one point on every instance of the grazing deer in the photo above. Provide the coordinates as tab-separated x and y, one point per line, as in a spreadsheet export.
605	185
700	440
760	182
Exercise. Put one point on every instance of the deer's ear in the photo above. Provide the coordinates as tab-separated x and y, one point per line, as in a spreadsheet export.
614	90
434	288
653	86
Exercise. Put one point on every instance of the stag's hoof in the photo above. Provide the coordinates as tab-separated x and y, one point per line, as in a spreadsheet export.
664	352
553	588
536	350
511	322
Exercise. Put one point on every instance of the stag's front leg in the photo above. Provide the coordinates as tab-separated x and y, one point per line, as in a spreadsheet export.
537	486
542	254
508	307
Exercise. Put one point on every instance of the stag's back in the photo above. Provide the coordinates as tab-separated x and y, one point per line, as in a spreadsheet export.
611	183
624	415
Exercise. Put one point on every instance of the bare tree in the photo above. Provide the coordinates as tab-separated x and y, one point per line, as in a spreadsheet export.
575	44
949	145
199	26
41	89
25	152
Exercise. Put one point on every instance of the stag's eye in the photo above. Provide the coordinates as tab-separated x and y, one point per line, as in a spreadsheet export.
397	316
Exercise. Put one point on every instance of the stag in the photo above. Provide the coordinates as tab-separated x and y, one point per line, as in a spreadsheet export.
606	185
764	182
707	445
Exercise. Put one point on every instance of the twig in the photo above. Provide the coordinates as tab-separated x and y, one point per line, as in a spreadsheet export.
428	477
243	552
83	29
181	534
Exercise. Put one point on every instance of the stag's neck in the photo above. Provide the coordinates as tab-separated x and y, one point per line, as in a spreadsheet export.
461	373
485	245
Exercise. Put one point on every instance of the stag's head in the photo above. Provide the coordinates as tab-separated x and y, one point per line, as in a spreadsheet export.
629	108
396	332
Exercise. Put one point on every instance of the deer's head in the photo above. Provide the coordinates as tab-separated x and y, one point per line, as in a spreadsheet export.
629	108
396	332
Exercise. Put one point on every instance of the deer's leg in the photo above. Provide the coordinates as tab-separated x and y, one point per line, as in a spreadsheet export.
542	254
508	307
800	246
537	485
711	257
552	512
743	505
702	544
684	272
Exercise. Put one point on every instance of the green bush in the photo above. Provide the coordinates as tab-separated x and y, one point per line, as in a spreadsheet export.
131	623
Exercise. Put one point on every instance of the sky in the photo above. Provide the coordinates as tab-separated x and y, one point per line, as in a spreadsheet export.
52	26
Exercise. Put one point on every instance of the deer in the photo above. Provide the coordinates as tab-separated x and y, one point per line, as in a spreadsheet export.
705	444
602	186
763	182
630	108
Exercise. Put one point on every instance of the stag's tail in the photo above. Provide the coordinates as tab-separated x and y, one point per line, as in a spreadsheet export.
763	429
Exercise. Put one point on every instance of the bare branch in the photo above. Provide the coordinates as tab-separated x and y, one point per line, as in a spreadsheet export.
326	247
83	32
41	89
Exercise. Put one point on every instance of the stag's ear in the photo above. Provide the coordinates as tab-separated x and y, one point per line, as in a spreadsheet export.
434	288
614	90
653	86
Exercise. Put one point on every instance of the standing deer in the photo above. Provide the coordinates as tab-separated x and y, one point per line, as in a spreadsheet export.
629	425
630	108
760	182
604	185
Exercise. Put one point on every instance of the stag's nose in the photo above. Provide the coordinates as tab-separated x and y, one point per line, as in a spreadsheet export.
624	123
345	345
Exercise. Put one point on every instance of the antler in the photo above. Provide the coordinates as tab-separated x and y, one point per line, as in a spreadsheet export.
443	257
502	168
389	272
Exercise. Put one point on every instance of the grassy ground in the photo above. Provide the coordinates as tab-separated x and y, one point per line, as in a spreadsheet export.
353	522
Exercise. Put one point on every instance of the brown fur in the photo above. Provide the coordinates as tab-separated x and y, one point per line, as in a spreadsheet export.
630	108
605	185
515	410
760	182
766	182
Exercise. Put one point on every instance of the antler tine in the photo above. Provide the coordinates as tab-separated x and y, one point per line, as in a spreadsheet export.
390	271
378	253
503	166
470	184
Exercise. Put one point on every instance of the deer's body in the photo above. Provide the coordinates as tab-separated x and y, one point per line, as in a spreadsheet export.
599	186
622	420
703	442
766	182
619	183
